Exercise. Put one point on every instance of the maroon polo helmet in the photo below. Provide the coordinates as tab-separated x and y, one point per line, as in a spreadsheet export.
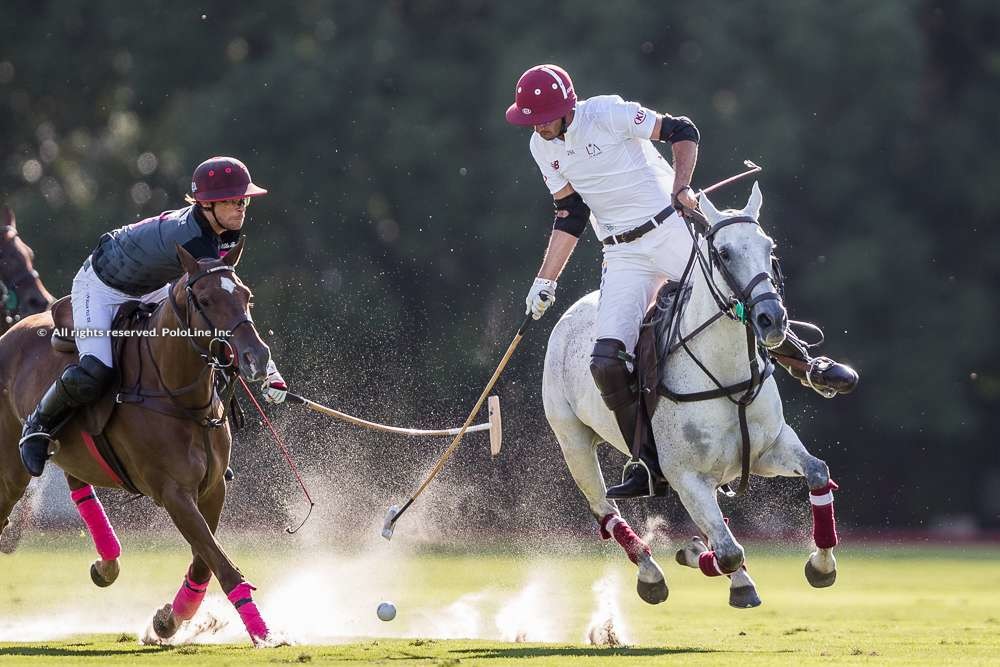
220	178
543	94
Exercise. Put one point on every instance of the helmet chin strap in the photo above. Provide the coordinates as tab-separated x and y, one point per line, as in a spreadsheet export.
211	208
562	127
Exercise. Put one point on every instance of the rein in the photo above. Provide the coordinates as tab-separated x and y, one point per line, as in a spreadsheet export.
735	307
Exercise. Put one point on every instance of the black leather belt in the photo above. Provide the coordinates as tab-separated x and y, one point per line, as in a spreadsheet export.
641	230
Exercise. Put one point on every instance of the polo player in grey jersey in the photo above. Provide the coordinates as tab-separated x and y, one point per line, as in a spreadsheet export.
137	262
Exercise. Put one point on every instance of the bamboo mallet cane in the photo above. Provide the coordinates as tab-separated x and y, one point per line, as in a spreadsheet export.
394	512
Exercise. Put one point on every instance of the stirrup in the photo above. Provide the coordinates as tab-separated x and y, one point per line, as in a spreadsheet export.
819	365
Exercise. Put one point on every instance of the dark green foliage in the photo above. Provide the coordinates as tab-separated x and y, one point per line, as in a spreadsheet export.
407	219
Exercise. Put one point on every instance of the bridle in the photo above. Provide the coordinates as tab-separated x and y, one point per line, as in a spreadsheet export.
738	307
218	355
226	356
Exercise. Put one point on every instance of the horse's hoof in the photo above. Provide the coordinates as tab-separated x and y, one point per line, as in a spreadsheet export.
651	585
105	575
744	597
164	624
653	593
819	579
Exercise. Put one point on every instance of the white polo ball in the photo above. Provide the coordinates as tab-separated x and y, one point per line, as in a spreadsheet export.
386	611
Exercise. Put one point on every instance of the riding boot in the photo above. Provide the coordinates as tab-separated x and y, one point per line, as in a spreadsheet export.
609	366
822	374
79	385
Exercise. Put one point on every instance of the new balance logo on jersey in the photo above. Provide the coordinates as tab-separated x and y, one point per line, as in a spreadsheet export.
555	164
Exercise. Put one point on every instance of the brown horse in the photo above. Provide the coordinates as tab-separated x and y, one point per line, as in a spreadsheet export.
22	291
167	425
21	294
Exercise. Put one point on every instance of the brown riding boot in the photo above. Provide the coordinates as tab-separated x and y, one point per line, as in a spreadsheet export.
822	374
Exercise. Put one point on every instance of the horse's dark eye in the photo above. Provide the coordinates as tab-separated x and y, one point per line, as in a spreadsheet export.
724	254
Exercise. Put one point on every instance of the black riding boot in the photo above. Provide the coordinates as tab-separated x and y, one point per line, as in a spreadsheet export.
80	384
822	374
641	477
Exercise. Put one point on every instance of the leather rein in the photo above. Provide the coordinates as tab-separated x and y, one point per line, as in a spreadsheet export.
736	307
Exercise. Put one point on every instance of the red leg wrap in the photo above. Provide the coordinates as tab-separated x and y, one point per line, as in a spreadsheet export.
618	528
824	523
709	565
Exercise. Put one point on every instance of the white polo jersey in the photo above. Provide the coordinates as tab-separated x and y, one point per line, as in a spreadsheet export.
607	156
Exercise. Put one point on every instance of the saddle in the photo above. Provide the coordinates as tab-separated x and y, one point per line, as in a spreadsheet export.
130	315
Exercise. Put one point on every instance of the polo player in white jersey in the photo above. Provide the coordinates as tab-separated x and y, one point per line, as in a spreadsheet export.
599	164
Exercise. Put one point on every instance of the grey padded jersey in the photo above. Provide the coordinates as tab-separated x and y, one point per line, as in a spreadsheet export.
139	258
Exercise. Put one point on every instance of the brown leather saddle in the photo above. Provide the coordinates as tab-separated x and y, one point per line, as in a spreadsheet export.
131	315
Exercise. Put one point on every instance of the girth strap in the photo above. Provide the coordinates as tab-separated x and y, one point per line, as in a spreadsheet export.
100	447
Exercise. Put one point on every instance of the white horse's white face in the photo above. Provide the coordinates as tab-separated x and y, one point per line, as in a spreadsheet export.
744	251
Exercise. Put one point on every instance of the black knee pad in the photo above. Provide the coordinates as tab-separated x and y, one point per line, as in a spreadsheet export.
608	365
85	382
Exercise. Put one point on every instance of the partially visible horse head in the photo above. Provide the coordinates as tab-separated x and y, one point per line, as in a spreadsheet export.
217	300
743	255
17	272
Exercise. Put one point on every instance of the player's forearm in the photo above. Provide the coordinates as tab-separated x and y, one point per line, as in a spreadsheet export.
561	245
685	159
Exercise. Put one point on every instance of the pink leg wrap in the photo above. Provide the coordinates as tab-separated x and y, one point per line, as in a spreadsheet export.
92	512
615	526
242	599
824	524
709	564
189	597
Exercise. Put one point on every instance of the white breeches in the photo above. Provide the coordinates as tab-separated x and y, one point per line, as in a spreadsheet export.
632	275
94	308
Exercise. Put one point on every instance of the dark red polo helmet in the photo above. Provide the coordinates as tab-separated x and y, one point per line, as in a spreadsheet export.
220	178
543	94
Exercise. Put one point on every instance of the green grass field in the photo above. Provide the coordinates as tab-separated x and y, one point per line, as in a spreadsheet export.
924	606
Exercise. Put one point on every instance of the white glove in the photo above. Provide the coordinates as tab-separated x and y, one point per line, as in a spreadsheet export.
537	305
274	387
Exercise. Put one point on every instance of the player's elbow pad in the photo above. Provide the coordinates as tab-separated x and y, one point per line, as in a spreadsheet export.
679	128
572	215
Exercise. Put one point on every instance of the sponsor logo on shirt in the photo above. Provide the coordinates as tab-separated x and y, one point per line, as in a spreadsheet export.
555	164
640	116
593	150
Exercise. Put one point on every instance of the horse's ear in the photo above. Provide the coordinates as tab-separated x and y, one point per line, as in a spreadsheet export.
232	257
188	262
8	217
708	208
756	201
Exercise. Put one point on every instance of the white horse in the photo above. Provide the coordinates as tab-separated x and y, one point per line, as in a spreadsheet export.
699	443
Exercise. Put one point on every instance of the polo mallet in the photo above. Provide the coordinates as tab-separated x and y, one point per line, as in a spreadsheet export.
394	512
494	425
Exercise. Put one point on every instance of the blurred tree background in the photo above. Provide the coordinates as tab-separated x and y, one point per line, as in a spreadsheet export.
406	219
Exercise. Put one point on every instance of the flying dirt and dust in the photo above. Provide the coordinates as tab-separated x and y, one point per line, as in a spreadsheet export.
607	624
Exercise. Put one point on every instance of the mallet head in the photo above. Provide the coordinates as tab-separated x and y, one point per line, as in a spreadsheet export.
390	522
